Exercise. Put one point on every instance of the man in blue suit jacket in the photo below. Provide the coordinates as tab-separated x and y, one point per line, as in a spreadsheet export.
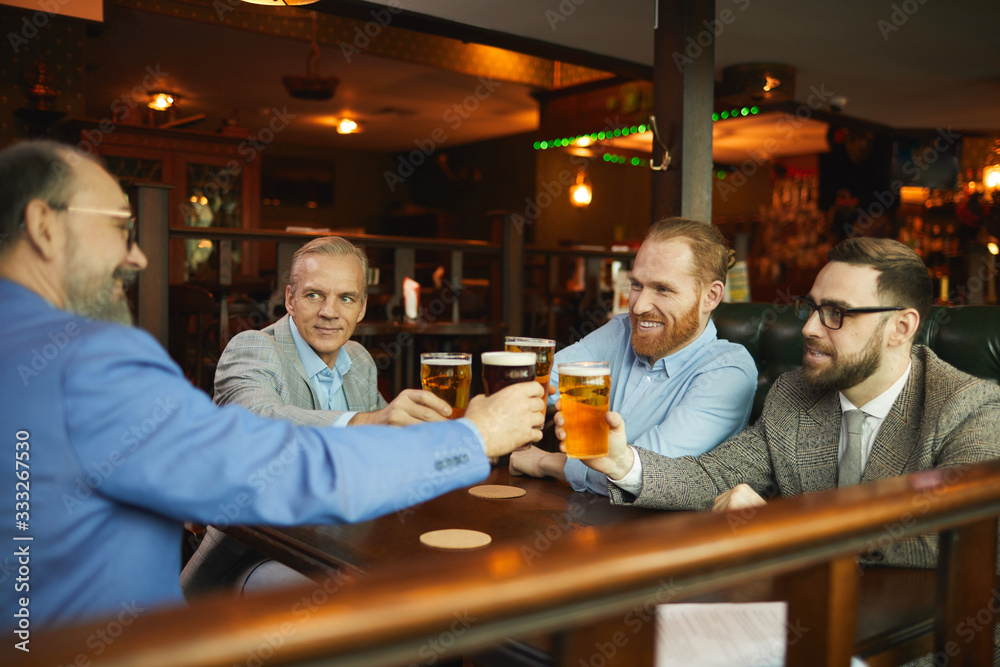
114	449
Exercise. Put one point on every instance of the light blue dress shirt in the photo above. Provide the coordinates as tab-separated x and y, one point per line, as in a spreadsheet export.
683	405
122	450
326	382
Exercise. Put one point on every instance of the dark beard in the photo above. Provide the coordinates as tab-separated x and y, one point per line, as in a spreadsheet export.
842	375
671	339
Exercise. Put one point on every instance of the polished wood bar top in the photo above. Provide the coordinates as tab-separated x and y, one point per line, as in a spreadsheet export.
895	605
548	510
595	575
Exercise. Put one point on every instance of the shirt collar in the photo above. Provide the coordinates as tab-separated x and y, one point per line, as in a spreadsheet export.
310	360
880	405
675	361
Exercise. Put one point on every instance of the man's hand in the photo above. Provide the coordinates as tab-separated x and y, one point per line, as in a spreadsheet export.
620	456
509	418
412	406
739	497
536	462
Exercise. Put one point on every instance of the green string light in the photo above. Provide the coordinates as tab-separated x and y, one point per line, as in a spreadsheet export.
634	129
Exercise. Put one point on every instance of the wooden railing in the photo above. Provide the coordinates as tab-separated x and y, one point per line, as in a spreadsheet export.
589	576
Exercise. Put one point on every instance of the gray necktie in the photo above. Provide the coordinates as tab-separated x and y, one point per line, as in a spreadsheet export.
850	462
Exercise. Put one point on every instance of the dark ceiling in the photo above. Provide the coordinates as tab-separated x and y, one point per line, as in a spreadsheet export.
937	67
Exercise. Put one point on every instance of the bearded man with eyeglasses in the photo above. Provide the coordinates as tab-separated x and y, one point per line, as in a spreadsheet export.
867	404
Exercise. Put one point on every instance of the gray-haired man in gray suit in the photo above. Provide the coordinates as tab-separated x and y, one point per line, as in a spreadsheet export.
304	367
918	412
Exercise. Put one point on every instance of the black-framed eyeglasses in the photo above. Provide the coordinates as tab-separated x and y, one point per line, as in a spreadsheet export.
832	317
112	213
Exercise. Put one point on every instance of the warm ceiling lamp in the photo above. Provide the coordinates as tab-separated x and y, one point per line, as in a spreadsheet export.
580	193
162	101
312	86
281	3
348	126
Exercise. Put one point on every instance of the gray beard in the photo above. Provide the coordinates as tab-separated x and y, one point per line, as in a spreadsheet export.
102	304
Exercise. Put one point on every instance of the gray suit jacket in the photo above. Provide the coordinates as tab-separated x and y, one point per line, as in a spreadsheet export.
262	371
943	417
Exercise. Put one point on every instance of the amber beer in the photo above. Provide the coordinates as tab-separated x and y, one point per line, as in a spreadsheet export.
585	392
501	369
448	376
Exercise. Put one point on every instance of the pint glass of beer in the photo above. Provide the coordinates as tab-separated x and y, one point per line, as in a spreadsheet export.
543	349
504	368
448	375
585	392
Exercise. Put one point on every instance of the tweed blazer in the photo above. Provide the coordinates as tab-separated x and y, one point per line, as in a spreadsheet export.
943	417
263	372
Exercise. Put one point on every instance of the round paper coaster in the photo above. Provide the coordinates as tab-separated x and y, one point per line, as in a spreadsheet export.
455	538
496	491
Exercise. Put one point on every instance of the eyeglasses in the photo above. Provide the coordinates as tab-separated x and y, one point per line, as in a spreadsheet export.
112	213
832	317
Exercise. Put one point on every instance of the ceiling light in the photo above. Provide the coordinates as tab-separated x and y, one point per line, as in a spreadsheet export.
348	126
312	86
162	101
280	3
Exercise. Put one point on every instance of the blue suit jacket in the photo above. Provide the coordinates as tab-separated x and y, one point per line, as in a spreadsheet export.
122	450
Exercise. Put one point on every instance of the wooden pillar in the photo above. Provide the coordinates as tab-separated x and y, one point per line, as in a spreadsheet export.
822	608
683	98
513	273
966	604
151	202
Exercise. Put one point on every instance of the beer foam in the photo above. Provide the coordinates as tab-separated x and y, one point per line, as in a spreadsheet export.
447	362
509	358
583	371
532	342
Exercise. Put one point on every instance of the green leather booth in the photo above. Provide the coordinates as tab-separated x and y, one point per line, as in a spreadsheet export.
967	337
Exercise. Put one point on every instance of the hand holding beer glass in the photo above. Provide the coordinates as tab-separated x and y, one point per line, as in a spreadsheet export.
585	394
501	369
448	376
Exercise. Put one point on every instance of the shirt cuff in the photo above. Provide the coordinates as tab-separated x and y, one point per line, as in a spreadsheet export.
471	425
632	481
343	419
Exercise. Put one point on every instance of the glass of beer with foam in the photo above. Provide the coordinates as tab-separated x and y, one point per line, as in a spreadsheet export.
448	376
501	369
585	392
543	349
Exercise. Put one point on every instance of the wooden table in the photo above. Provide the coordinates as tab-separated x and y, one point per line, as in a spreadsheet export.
895	606
546	512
